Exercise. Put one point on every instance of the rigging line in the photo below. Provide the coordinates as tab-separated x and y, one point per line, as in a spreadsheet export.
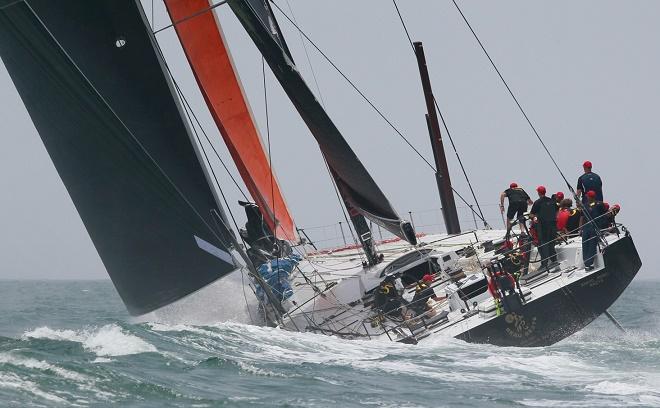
460	162
198	13
309	60
318	89
538	136
270	159
13	3
153	21
405	28
444	123
187	108
352	84
247	304
121	122
206	136
342	207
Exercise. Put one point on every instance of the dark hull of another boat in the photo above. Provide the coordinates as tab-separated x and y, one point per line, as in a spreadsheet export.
559	314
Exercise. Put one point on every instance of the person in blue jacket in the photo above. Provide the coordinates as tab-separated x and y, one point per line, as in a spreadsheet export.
589	181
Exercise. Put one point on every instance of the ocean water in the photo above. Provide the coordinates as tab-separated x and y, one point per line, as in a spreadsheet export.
72	344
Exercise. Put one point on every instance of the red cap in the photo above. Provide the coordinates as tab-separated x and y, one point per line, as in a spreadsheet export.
591	194
616	206
540	190
560	195
513	185
586	164
428	278
607	206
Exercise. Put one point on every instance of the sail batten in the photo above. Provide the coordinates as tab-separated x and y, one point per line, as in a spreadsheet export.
209	57
354	182
93	84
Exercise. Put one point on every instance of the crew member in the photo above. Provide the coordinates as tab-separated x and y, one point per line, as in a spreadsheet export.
564	215
558	196
589	181
518	202
611	216
590	227
573	223
544	211
387	298
423	292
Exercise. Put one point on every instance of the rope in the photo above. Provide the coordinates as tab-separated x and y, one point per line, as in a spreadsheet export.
187	108
13	3
352	84
444	124
506	85
199	124
121	122
460	162
405	28
309	61
270	160
513	96
200	12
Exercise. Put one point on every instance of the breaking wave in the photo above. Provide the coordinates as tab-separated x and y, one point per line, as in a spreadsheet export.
109	340
109	361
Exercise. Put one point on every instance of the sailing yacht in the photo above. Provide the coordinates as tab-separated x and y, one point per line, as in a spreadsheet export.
125	143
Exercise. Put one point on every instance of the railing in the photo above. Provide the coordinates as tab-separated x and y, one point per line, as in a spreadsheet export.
428	221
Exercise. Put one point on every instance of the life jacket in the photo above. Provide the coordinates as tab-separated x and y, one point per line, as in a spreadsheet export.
516	195
562	218
534	233
573	222
491	283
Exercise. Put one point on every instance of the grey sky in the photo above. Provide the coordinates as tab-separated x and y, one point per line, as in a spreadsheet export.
587	73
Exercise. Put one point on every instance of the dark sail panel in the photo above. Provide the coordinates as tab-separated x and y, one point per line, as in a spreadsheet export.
97	93
354	182
264	13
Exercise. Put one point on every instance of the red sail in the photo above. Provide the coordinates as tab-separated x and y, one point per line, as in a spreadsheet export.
209	58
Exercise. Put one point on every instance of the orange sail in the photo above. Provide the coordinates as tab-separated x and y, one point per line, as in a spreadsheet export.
206	49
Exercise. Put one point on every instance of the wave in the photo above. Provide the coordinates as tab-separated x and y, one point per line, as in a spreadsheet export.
107	341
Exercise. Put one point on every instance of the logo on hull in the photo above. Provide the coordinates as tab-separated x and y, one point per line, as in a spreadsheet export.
518	326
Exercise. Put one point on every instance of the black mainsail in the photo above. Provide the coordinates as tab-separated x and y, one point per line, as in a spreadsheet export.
90	76
354	182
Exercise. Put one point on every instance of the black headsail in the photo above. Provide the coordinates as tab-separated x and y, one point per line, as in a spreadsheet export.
90	77
358	189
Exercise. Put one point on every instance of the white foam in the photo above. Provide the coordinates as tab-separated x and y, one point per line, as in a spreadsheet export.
210	305
7	358
619	388
107	341
101	360
12	381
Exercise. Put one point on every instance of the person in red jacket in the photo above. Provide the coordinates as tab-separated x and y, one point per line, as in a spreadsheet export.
564	215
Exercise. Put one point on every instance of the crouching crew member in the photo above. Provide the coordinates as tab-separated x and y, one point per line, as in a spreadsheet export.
558	196
518	202
563	216
388	300
590	227
423	292
544	211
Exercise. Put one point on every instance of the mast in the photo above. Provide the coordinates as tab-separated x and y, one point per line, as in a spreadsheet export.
449	212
